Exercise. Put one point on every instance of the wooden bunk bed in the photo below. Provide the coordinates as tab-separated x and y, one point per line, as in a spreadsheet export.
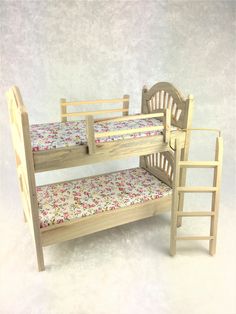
168	115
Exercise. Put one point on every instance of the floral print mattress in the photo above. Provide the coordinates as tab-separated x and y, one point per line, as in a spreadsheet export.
62	134
70	200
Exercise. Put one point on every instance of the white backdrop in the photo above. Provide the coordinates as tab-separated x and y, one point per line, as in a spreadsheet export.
104	49
96	49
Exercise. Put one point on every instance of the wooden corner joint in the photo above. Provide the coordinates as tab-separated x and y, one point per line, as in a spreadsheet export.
90	135
167	125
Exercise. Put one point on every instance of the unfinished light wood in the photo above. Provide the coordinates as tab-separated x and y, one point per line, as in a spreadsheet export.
216	196
185	151
25	167
194	238
215	190
94	102
86	154
175	199
195	214
161	165
78	155
164	95
64	104
129	131
197	189
87	225
126	105
63	110
90	135
88	113
198	164
167	125
135	117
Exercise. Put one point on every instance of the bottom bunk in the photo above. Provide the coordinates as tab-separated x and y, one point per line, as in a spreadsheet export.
79	207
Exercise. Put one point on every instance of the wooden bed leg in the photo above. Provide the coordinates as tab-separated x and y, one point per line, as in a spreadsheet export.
175	200
167	124
183	174
90	135
39	254
185	153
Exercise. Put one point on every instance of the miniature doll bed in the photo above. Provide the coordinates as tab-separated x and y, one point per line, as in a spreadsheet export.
66	210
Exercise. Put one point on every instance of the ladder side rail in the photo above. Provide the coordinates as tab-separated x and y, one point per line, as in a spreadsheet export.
216	195
175	198
185	151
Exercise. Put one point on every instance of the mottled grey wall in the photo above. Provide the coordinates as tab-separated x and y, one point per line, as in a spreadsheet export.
95	49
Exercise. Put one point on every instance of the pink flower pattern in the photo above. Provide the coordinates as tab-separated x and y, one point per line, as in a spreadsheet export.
65	201
63	134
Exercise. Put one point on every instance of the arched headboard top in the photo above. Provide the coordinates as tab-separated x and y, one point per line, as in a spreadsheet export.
164	95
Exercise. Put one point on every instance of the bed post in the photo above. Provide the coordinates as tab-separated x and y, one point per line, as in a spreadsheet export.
90	134
126	105
185	151
144	109
25	167
63	110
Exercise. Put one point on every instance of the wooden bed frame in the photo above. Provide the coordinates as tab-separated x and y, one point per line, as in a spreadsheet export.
162	100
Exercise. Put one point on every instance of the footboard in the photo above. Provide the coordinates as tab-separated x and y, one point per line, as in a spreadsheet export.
158	98
161	165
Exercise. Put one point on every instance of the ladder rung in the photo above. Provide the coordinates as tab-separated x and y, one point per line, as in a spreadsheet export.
196	189
195	238
198	164
194	214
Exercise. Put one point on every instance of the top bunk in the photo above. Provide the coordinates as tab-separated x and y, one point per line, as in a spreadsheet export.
165	116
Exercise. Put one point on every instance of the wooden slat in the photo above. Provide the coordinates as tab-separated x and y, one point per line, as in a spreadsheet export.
195	238
216	196
159	174
194	214
129	131
167	125
90	134
63	110
159	103
187	123
94	102
164	99
198	164
89	113
197	189
173	93
203	129
134	117
126	104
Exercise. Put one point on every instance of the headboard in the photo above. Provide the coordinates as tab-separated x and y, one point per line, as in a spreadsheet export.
164	95
24	158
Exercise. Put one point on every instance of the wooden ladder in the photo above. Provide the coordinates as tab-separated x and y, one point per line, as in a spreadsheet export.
177	214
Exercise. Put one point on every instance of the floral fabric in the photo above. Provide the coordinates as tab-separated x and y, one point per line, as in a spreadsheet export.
62	134
65	201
